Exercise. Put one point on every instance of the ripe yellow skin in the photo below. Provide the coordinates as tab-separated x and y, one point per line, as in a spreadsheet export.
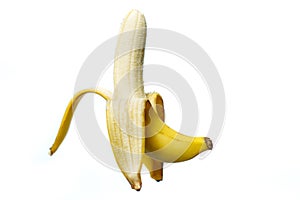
164	143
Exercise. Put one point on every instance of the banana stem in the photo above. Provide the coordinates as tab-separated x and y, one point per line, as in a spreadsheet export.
66	121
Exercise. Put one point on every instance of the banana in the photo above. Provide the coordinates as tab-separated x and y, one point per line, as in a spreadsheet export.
135	120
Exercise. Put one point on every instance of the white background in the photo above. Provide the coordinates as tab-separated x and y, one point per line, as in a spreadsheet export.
255	46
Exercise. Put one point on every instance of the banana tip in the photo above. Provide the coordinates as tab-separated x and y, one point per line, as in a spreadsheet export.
50	152
137	187
209	143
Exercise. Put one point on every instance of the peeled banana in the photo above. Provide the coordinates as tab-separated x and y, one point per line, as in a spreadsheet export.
135	120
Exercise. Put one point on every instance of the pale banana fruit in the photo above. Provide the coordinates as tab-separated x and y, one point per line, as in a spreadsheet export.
135	120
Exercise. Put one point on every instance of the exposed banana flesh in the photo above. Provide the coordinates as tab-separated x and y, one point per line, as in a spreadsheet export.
126	110
135	120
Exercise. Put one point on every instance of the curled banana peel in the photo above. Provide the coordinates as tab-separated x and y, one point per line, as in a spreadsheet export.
66	121
164	143
135	120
